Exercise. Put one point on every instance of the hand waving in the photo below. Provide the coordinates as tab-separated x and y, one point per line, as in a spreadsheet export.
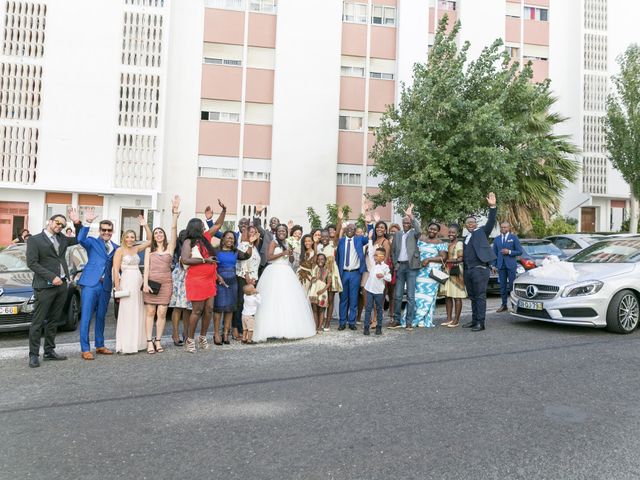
340	213
175	205
89	214
208	213
222	205
376	217
491	199
409	211
142	220
73	215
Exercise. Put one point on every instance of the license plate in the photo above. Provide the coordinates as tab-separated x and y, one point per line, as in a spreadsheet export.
8	310
530	305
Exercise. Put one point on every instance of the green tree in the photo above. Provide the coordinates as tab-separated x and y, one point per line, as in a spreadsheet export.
314	218
463	129
622	125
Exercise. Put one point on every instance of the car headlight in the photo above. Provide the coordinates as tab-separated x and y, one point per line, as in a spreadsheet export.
584	288
30	305
520	270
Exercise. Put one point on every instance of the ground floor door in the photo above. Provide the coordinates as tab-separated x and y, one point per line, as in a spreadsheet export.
588	219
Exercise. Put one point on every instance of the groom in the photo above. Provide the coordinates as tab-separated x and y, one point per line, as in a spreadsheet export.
96	282
351	265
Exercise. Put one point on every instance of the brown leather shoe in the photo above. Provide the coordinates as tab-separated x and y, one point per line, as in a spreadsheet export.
87	356
104	351
503	308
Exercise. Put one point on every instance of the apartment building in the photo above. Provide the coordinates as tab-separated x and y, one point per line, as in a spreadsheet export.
244	100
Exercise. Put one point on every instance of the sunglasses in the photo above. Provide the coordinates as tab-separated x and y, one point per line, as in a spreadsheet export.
106	230
59	223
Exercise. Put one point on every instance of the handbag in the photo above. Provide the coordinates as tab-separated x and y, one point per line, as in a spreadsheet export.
153	286
438	275
121	293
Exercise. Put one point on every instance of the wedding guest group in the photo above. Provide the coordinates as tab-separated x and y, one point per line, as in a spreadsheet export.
259	284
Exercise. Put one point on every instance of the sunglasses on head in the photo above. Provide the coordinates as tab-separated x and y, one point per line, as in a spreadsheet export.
106	230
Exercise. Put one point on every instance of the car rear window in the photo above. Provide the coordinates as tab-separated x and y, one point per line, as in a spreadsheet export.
610	251
541	249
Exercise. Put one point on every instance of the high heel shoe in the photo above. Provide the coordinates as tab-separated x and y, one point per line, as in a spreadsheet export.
225	339
153	347
158	345
215	341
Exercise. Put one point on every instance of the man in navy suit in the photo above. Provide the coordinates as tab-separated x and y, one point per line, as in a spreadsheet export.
478	258
351	265
96	282
506	248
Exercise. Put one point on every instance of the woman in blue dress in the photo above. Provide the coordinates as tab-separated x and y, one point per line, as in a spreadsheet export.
433	252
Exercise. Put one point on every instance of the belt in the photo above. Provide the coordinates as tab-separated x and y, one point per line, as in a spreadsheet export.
352	270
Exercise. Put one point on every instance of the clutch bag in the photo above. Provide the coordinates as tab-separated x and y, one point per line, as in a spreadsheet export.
153	286
121	293
439	276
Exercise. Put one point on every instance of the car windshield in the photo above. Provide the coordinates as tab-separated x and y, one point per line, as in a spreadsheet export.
611	251
13	260
542	249
592	240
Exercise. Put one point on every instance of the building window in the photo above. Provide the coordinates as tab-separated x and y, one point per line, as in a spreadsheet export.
208	172
514	52
220	117
349	179
383	16
352	71
350	123
446	5
383	76
535	13
222	61
225	4
263	176
263	6
354	12
527	58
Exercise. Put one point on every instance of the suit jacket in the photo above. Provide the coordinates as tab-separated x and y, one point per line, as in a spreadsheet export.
44	261
479	241
100	264
267	238
413	254
515	250
358	243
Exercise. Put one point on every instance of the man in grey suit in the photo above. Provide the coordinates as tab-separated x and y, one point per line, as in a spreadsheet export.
406	261
267	235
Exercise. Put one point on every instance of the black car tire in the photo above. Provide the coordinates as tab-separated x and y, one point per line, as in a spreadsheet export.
623	312
72	314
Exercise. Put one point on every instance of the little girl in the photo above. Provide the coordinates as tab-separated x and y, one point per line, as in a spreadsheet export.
318	293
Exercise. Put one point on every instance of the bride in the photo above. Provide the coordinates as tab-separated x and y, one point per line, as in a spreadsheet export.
285	311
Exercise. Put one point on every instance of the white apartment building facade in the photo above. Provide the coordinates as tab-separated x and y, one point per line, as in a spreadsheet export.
119	104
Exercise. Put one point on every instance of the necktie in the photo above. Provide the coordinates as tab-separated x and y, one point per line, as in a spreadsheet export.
107	247
56	244
348	255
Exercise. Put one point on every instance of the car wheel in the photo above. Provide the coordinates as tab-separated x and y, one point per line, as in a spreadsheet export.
73	315
623	312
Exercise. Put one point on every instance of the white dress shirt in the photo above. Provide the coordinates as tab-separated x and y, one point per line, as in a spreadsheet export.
56	246
374	284
404	256
251	303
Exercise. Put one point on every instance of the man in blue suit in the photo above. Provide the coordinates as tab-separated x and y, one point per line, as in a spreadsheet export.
351	265
478	259
96	282
506	248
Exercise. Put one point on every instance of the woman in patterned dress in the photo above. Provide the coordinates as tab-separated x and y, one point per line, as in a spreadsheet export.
454	290
433	252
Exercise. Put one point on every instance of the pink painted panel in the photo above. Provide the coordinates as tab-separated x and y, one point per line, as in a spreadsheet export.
262	30
512	30
257	141
452	16
259	85
385	210
221	139
352	93
354	39
254	192
538	3
352	196
432	14
350	146
540	70
210	189
223	26
381	94
383	42
391	3
536	33
371	140
221	82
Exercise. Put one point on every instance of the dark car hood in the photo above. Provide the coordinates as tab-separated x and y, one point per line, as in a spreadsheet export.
16	283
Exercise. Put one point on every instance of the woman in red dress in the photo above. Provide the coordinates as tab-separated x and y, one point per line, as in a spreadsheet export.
200	283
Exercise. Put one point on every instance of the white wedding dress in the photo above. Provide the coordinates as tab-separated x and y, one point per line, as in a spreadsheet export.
284	311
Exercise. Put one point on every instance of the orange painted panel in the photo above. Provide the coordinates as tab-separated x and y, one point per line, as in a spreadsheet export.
257	141
350	145
221	82
259	85
223	26
538	3
208	190
536	33
352	93
220	139
354	39
512	30
59	198
92	200
381	94
383	42
262	30
255	192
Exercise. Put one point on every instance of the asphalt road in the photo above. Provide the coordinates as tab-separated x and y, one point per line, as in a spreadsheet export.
521	400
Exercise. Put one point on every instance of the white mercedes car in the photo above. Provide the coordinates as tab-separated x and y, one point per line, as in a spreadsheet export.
598	287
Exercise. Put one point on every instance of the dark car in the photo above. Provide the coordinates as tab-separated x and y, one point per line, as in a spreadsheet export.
16	294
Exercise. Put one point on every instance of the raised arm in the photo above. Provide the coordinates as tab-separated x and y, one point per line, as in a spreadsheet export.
256	220
147	230
175	212
220	221
493	212
145	278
